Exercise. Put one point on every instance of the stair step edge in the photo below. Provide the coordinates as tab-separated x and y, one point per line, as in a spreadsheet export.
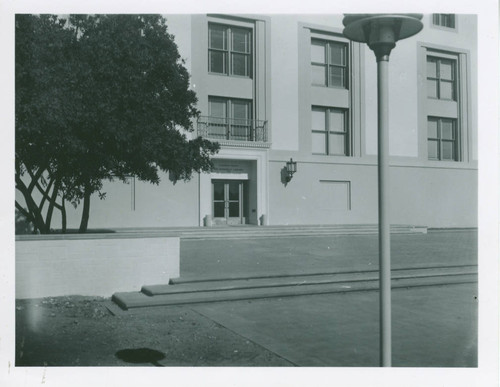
137	300
154	290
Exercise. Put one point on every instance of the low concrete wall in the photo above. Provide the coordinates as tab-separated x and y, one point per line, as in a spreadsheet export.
92	265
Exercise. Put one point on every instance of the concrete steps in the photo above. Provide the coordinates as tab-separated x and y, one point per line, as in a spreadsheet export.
248	231
181	291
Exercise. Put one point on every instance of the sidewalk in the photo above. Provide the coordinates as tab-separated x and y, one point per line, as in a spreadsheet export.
431	327
325	254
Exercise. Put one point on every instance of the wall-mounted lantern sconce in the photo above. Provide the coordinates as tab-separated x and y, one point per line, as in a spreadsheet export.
291	168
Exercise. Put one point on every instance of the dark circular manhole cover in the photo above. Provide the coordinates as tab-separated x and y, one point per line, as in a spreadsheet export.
140	355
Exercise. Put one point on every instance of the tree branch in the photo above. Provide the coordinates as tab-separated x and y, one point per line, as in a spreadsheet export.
45	195
24	212
34	177
42	202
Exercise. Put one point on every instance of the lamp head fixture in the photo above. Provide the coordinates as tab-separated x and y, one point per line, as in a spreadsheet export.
381	31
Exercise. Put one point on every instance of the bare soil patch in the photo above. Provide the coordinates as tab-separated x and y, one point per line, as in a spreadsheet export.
80	331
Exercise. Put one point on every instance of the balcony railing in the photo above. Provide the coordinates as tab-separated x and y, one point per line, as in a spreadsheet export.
232	129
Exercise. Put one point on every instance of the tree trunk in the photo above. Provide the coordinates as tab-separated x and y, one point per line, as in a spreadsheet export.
50	211
86	210
33	209
63	216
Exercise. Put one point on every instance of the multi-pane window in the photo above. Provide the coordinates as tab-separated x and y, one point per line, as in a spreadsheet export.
441	78
442	139
329	63
444	122
230	118
443	20
330	131
229	50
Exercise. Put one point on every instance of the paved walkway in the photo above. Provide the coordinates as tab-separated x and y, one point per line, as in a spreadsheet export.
299	255
432	327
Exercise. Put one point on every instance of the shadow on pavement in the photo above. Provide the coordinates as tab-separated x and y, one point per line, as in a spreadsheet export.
141	355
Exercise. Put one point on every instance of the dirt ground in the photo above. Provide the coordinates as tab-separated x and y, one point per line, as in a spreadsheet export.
80	331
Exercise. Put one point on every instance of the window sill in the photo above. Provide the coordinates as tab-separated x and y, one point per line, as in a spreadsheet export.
329	155
444	28
439	164
330	87
230	75
442	99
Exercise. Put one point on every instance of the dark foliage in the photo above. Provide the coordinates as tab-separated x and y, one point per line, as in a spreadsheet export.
99	97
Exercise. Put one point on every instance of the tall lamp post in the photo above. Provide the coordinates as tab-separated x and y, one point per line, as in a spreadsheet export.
381	32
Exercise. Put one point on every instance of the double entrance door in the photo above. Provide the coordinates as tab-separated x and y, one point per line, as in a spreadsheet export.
228	202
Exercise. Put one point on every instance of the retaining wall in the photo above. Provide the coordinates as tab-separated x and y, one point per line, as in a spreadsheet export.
92	264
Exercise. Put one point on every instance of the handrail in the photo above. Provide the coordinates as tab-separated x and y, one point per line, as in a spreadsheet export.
237	129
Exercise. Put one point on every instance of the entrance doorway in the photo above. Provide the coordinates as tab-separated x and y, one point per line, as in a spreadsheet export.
228	202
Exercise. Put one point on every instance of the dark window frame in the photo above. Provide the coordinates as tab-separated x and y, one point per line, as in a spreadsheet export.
328	133
232	127
439	61
446	20
328	65
440	140
228	51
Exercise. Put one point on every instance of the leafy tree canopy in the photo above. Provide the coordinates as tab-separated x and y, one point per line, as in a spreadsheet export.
100	97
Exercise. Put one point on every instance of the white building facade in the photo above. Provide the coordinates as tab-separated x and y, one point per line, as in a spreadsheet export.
281	87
